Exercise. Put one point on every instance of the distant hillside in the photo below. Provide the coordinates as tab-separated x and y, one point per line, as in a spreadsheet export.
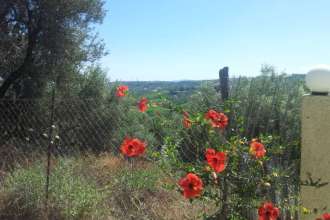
157	86
179	90
176	90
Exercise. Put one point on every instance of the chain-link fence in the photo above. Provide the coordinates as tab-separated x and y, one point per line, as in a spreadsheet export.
73	126
25	124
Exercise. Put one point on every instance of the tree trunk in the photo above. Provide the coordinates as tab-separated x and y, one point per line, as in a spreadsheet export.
32	39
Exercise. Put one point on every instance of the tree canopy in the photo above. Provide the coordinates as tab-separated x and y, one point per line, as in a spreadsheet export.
46	40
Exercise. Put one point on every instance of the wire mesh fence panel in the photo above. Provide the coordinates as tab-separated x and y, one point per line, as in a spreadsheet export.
23	125
82	125
78	125
93	126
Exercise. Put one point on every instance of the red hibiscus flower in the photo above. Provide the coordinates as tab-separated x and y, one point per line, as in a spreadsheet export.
186	121
216	160
325	216
132	147
121	91
143	104
267	211
257	149
191	185
217	119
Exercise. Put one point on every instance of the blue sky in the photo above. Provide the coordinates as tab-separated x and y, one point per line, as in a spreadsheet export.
192	39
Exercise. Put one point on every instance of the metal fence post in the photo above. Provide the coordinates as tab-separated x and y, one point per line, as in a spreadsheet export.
49	149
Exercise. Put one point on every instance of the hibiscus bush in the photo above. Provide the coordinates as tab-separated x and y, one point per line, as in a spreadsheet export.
209	159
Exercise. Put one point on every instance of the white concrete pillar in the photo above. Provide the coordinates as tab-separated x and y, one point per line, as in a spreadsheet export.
315	151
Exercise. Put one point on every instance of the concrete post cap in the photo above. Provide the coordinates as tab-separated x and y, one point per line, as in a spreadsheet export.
318	79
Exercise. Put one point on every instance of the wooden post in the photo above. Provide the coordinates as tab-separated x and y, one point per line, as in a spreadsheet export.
224	83
224	90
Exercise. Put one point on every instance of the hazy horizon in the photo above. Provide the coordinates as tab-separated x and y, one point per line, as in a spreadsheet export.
193	80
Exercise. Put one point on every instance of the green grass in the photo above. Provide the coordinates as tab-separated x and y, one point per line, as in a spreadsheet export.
71	195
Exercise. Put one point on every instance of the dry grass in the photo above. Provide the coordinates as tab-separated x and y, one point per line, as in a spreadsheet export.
142	203
131	190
